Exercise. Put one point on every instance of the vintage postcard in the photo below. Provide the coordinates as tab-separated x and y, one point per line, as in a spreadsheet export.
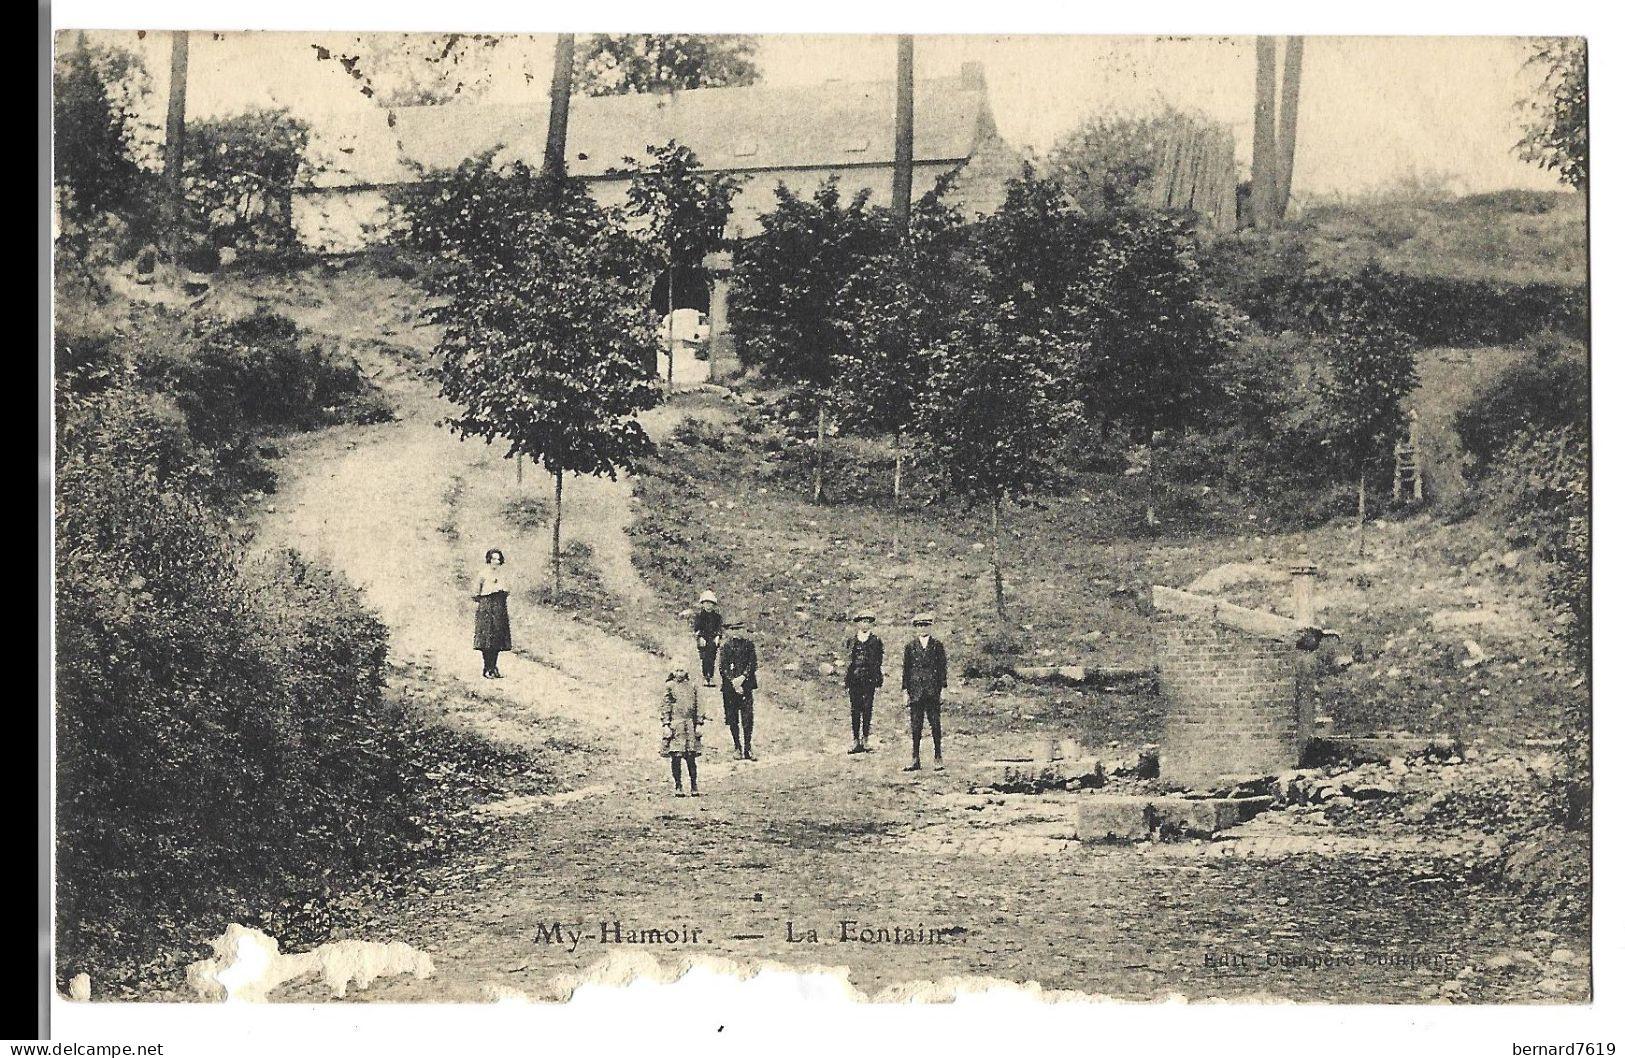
1107	514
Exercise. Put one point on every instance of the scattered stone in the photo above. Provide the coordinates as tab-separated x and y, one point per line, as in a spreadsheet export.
79	987
1563	955
1511	559
1501	961
1371	791
826	669
1343	661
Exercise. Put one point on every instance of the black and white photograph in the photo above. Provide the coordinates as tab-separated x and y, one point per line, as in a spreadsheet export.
1109	514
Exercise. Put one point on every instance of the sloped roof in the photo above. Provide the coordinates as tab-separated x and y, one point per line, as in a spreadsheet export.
837	123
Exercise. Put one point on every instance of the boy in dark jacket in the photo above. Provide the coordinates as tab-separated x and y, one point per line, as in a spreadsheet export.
707	631
925	674
738	663
864	655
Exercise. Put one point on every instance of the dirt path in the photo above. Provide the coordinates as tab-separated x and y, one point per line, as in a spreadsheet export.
777	855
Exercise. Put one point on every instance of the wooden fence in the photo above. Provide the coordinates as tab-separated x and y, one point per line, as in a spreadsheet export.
1196	170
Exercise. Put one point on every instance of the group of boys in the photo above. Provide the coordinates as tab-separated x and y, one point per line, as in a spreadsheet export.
726	652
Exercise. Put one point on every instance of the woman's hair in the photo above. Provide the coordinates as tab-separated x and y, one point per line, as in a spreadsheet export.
497	551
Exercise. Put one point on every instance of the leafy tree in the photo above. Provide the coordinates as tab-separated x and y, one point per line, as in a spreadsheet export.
1557	135
1153	333
619	64
1371	369
240	173
788	287
544	322
899	302
95	93
1034	248
686	213
992	414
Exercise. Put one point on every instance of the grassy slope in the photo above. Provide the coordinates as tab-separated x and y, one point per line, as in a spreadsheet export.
1514	236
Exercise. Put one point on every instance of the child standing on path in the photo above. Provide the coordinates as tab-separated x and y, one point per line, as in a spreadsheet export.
680	722
925	674
865	655
707	630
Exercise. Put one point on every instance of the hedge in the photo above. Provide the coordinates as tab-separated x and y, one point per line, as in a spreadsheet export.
1437	310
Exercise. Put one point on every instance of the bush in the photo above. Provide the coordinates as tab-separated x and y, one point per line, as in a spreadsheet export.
1546	391
258	374
239	177
222	739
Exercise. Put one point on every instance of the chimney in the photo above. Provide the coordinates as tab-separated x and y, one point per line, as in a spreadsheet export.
971	76
1303	594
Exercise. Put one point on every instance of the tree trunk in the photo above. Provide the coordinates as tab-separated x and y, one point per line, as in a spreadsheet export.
1359	518
902	180
558	525
671	353
558	114
998	569
818	458
1262	200
1291	76
897	493
175	138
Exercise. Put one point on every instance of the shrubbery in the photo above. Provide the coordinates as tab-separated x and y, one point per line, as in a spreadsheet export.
223	740
222	736
1541	487
256	374
1548	390
1436	310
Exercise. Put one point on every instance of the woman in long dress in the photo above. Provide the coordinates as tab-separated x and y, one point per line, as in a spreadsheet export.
491	635
680	722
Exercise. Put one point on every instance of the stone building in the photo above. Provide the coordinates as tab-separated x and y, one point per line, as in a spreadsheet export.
796	135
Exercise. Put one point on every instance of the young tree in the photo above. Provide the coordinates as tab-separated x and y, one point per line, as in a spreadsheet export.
620	64
686	213
544	321
1557	135
1371	369
788	283
992	413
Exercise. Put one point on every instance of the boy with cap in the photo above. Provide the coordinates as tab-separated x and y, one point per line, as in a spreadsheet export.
738	663
925	674
707	629
864	654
